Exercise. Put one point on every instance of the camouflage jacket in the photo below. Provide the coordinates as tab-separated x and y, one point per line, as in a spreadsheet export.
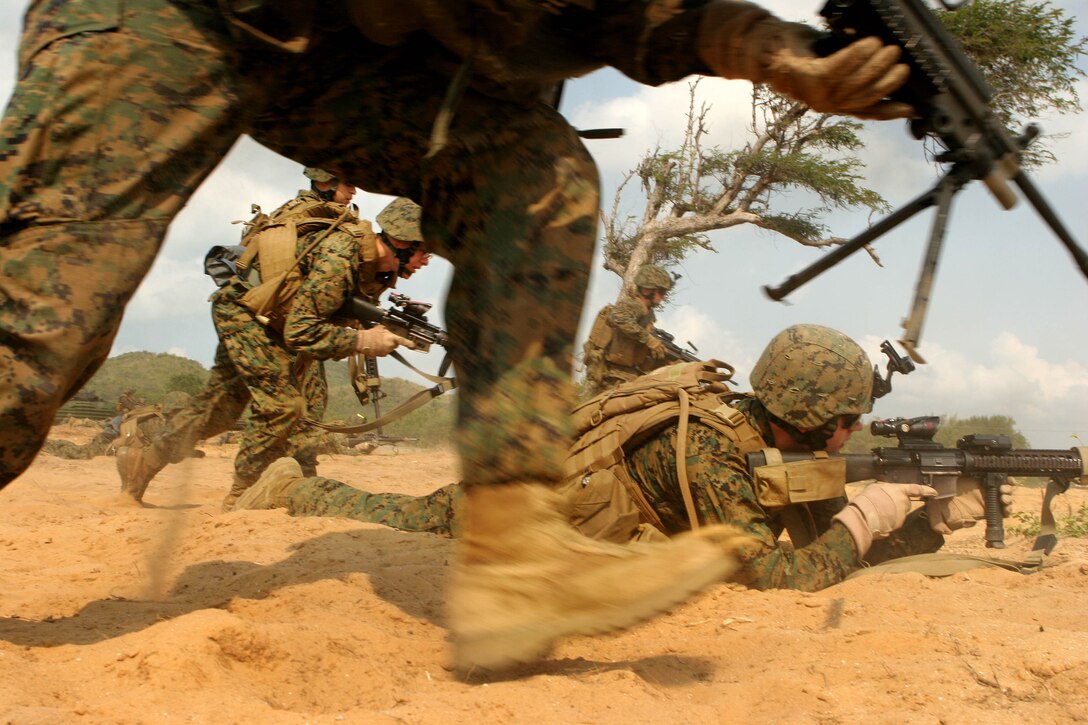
724	492
343	264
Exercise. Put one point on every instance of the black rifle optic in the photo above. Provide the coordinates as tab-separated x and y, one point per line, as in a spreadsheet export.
674	351
407	318
919	459
953	104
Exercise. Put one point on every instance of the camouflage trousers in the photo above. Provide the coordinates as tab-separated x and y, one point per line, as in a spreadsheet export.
439	512
122	109
97	446
252	367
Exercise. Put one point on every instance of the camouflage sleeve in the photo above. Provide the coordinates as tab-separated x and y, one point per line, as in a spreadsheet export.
723	493
328	283
626	319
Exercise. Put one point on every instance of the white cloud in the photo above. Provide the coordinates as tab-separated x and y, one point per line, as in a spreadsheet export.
1048	399
656	117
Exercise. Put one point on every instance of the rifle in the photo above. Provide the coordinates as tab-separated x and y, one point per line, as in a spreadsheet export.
920	459
953	104
407	318
673	350
374	441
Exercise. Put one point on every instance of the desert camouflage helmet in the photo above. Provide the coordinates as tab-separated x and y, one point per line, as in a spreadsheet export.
808	374
651	276
319	175
400	219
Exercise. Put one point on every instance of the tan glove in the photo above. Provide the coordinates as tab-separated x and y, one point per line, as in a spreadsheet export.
966	508
740	40
379	342
878	510
657	348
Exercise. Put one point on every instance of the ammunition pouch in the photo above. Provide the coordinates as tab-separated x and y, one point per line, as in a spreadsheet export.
781	484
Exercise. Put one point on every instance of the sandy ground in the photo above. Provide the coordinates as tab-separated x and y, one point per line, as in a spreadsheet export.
175	612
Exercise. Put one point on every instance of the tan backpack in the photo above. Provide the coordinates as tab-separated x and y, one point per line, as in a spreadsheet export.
606	502
274	242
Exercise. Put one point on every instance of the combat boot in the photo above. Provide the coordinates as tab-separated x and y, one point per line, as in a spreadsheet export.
523	577
137	464
138	460
272	488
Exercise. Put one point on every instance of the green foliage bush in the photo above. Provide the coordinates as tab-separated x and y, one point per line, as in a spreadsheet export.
1071	526
153	375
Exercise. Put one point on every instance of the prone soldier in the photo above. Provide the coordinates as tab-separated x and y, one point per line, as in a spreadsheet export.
810	387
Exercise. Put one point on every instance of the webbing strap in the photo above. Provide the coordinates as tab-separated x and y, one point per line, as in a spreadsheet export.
1048	527
682	459
442	385
939	565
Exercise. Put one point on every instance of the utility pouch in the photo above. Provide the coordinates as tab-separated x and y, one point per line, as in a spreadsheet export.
601	507
781	484
221	263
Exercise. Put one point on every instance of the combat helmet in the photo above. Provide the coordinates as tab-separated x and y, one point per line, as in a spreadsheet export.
400	220
174	401
319	175
809	375
650	276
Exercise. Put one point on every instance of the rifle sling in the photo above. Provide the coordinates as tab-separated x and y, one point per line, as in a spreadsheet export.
442	385
1048	528
939	564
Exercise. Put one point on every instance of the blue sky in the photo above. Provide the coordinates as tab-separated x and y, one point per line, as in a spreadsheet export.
1008	319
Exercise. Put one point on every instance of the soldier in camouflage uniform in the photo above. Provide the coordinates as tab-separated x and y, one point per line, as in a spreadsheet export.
97	446
811	385
620	345
276	368
122	109
126	402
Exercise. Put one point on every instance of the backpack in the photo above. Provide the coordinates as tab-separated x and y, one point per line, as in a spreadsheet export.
606	502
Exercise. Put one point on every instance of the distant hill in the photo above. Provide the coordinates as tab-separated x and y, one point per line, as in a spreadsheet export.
153	375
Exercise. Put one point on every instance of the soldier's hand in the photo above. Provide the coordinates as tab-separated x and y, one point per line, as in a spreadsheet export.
966	508
855	80
657	348
878	510
379	342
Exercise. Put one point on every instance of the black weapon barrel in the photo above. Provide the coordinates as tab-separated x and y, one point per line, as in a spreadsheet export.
1064	464
1027	462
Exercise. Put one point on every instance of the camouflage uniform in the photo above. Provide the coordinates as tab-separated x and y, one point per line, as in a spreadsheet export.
97	446
125	402
510	199
625	355
260	366
722	490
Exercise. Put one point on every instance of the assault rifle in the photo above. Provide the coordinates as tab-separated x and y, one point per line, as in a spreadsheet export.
919	459
672	350
953	104
407	318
